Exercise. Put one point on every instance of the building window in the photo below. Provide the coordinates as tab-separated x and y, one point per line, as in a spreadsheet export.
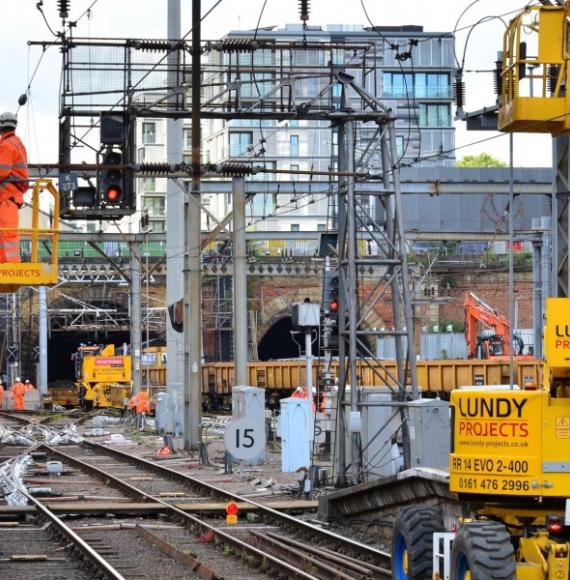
294	176
321	227
420	85
263	176
295	228
432	85
240	143
262	204
398	85
155	204
157	225
294	145
187	138
399	145
434	116
149	184
149	133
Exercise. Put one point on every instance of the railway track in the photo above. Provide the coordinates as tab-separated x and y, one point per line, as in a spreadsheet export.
33	426
48	548
276	544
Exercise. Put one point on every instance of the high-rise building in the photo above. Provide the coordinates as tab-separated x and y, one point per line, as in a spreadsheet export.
406	68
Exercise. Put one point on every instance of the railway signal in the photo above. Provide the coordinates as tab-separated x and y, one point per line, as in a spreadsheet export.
331	307
111	180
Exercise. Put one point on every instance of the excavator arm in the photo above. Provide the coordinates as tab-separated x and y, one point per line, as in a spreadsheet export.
479	312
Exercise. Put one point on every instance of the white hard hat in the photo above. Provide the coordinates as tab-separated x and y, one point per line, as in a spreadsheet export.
27	380
18	379
8	120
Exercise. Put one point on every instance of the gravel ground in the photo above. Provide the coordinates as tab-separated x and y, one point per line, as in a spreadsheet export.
36	540
131	555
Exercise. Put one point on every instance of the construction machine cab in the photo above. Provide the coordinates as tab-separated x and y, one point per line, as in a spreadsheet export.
39	234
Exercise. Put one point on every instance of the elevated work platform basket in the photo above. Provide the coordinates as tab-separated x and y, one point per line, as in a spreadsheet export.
39	233
534	97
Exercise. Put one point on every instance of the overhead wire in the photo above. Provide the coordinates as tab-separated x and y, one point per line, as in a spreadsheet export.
465	10
39	6
86	11
155	65
397	57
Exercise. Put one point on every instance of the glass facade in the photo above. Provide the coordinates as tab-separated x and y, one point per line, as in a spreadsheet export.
240	143
149	133
418	85
435	115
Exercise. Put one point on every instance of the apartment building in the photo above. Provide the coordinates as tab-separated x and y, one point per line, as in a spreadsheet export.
408	69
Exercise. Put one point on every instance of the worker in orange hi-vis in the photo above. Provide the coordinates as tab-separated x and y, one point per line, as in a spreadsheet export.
28	386
143	408
13	185
143	403
18	392
299	393
1	394
133	401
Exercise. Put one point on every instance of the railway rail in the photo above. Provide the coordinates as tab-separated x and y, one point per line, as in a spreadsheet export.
279	544
53	546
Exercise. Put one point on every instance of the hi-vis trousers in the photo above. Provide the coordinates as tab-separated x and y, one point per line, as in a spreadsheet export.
9	240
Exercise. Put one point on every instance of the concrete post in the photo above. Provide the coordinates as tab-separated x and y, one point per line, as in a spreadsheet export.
240	283
136	311
309	363
352	296
192	270
174	241
43	340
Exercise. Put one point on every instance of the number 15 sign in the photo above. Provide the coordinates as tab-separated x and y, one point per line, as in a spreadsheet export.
244	438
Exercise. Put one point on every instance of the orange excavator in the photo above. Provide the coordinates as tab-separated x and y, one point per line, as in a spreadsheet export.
493	343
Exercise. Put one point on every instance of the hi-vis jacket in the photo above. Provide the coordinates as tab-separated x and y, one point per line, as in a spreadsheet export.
13	168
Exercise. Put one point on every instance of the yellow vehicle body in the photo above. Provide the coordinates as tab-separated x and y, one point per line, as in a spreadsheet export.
510	456
105	378
533	96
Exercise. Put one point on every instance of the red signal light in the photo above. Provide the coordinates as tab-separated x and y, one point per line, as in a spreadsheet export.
333	306
113	194
232	509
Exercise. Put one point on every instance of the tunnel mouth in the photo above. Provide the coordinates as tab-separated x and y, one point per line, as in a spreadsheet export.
62	345
278	343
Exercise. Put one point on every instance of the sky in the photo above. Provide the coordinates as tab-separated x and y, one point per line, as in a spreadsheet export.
147	19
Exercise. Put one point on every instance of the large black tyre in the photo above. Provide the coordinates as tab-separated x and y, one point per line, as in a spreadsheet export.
412	542
483	551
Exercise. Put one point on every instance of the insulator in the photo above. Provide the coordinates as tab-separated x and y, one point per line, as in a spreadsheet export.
155	168
498	78
553	72
304	8
153	45
236	169
238	45
459	93
63	7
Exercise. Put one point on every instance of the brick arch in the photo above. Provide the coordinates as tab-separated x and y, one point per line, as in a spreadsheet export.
280	307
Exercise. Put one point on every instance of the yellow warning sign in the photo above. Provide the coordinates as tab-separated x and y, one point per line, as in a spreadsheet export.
231	519
563	427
